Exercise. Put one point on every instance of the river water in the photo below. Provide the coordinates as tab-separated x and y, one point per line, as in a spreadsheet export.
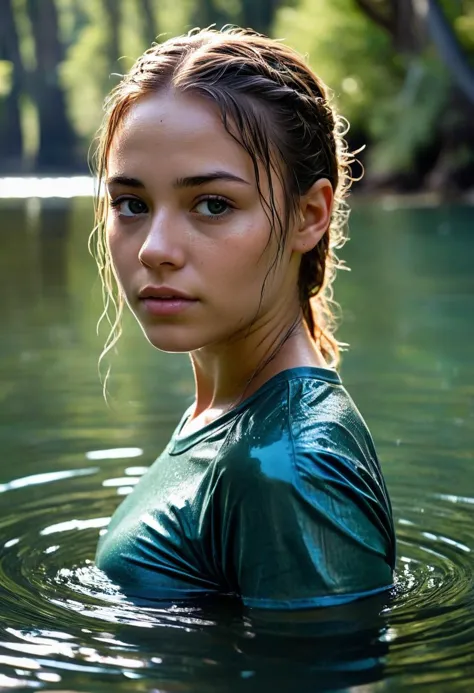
67	459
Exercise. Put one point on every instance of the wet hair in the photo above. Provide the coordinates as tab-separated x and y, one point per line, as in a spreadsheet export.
278	110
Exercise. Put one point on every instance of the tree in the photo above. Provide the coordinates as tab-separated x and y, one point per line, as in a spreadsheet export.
259	14
254	14
450	49
448	122
57	139
399	18
411	24
147	15
207	12
11	140
113	10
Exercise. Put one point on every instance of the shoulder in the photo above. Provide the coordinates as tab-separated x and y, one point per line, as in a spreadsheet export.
334	450
298	418
324	415
306	442
282	435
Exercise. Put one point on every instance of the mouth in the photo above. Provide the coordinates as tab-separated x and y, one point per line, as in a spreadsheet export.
161	301
163	293
165	298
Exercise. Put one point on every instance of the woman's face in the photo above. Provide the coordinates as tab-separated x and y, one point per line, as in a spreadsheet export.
186	230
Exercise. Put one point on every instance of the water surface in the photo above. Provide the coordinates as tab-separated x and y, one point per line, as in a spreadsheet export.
68	459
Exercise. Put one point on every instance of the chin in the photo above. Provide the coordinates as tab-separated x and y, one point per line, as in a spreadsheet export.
173	339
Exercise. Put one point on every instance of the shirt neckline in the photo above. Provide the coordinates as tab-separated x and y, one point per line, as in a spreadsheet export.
180	443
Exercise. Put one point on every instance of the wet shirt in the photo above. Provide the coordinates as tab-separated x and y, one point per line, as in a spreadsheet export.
280	502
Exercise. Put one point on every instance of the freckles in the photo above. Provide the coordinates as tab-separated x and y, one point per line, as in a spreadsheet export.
251	239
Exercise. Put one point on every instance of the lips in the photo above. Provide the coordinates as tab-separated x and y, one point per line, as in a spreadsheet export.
164	301
166	293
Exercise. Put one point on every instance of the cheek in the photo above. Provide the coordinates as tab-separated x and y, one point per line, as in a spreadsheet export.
120	247
113	247
118	259
252	247
240	264
111	239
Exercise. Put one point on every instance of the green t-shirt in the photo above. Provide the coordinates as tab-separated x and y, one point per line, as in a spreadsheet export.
280	501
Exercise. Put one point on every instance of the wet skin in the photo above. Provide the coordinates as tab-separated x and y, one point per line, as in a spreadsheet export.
186	214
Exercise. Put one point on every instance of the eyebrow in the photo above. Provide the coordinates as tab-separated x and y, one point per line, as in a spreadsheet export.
195	181
187	182
125	181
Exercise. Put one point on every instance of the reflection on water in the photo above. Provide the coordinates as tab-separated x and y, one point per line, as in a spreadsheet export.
31	187
68	458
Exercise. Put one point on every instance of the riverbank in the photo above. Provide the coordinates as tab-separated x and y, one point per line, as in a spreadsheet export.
13	187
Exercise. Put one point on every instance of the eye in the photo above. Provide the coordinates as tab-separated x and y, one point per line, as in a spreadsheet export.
129	206
213	207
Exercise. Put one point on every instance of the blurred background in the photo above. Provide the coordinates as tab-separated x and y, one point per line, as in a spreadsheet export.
401	71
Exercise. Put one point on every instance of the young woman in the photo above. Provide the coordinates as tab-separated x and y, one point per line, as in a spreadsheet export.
225	171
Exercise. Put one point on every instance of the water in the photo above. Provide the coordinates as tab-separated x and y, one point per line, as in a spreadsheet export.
67	460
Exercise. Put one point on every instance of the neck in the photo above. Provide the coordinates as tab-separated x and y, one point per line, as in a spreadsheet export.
227	374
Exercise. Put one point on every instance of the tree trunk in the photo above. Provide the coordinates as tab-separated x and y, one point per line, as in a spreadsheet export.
384	16
408	37
401	19
57	139
259	14
206	13
113	11
80	19
11	139
147	15
450	50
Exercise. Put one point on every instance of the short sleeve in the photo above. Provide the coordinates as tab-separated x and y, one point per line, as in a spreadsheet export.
306	531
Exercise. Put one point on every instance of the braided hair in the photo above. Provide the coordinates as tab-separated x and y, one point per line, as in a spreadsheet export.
276	107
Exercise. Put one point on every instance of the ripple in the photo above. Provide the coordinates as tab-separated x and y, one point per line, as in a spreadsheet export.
63	619
430	624
114	453
46	478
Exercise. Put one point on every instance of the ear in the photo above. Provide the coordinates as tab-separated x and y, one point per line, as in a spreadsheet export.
315	216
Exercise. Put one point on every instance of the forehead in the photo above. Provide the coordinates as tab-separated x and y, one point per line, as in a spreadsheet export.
176	129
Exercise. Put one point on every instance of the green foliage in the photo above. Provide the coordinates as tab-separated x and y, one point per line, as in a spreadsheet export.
464	26
23	27
132	43
30	128
6	72
352	55
87	73
395	101
174	17
460	14
403	125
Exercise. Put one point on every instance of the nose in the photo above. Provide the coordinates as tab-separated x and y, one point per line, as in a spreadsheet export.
163	245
